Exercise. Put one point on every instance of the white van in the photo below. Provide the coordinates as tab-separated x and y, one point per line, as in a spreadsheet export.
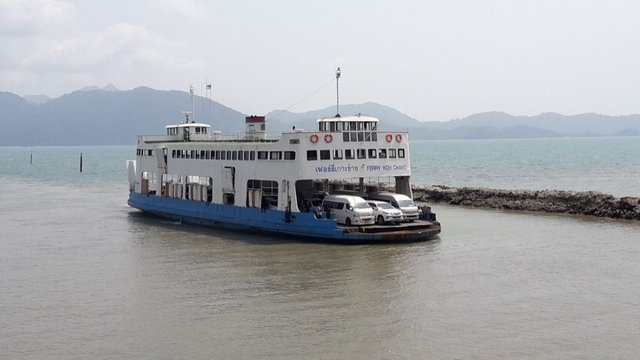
409	209
348	209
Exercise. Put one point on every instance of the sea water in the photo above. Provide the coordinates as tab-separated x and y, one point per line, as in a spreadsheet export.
609	165
85	276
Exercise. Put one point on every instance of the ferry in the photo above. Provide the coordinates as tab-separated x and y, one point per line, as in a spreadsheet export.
254	183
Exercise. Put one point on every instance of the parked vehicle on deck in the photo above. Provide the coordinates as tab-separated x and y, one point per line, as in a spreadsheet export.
384	213
402	202
348	210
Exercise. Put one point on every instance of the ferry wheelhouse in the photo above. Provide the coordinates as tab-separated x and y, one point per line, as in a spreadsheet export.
260	184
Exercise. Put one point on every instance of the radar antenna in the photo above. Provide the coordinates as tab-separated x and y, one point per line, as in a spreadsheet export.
338	72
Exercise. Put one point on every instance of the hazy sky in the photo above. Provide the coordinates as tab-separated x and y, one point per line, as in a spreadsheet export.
433	60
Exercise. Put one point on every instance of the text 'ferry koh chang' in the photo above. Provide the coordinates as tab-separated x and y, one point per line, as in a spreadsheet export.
345	181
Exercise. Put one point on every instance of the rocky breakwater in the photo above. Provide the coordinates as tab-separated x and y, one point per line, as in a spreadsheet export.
553	201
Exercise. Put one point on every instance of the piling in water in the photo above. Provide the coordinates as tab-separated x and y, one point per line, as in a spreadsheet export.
80	162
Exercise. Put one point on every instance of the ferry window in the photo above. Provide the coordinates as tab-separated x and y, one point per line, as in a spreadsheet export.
204	130
392	153
312	155
352	126
339	126
208	154
382	154
240	155
197	130
228	199
215	155
348	154
337	154
203	154
325	154
345	136
289	155
362	154
150	152
359	126
263	155
332	126
374	136
372	153
228	154
197	154
173	153
367	136
246	155
360	136
401	153
374	126
275	155
223	155
294	141
234	155
354	137
252	155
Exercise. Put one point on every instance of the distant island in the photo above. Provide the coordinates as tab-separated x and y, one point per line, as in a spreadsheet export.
108	116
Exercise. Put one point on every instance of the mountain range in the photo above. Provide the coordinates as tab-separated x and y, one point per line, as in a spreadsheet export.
108	116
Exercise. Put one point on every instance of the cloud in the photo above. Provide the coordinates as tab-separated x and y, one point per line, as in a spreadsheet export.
118	46
125	54
184	8
28	17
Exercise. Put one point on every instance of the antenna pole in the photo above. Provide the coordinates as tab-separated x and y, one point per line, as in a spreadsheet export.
337	92
193	106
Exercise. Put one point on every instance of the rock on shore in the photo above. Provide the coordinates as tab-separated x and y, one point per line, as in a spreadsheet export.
554	201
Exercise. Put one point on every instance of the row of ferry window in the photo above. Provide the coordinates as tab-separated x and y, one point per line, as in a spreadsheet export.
246	155
250	155
339	154
144	152
359	136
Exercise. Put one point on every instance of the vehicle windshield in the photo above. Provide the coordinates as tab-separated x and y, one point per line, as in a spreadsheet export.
385	205
406	203
362	205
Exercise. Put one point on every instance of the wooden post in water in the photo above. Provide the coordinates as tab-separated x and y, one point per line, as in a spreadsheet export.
80	162
31	158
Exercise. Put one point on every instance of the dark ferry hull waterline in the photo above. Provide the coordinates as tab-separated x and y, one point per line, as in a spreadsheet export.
309	185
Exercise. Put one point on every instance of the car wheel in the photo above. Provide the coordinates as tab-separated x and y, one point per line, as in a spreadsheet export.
380	220
348	222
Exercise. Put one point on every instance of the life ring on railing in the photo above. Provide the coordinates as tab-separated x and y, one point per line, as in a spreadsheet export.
389	138
313	138
398	138
328	138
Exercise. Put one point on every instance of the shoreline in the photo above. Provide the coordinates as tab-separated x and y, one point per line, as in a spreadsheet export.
589	203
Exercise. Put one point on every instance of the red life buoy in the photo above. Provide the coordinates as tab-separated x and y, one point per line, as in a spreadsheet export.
328	138
313	138
398	138
389	137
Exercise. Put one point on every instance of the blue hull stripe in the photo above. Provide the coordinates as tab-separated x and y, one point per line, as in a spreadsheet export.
302	225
